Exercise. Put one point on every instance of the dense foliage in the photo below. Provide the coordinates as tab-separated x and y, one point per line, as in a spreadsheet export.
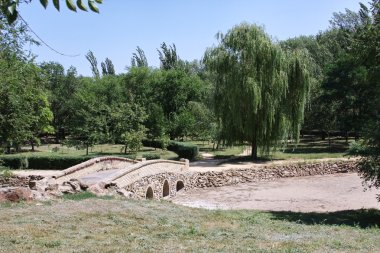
260	89
248	89
10	7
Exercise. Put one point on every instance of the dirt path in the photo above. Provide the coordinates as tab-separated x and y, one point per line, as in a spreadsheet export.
304	194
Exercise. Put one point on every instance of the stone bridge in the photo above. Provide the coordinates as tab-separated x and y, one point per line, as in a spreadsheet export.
138	179
157	179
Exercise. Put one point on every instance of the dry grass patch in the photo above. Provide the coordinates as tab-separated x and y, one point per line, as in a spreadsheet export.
98	225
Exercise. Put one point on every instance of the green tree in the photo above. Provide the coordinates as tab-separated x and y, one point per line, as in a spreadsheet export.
88	126
61	87
107	67
94	64
168	56
10	7
366	50
260	89
139	59
24	108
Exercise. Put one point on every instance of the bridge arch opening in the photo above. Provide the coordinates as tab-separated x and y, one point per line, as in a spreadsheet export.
179	185
149	193
165	189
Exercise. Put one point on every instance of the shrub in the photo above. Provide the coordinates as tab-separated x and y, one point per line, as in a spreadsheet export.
152	143
42	162
150	156
183	149
55	162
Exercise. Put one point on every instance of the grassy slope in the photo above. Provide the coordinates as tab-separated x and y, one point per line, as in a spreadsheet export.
98	225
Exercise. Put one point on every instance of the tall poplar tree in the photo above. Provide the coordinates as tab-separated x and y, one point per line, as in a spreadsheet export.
260	90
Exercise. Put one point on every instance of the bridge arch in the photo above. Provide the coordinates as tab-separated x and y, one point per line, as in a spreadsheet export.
179	185
165	189
149	193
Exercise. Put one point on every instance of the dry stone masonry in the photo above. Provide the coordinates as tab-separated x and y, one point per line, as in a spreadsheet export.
154	179
267	173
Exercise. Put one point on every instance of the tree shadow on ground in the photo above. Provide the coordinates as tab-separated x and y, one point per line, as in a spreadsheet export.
311	150
244	159
363	218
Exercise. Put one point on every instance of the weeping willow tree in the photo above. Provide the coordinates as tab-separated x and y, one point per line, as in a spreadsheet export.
260	90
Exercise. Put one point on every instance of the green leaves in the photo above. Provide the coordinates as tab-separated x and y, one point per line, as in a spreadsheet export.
56	4
260	90
71	5
9	7
12	8
44	3
93	6
81	5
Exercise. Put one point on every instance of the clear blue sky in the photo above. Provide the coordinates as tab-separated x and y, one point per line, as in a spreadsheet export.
122	25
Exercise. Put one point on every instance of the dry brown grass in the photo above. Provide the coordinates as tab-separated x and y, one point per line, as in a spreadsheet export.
98	225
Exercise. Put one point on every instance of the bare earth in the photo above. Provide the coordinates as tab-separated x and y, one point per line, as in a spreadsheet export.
326	193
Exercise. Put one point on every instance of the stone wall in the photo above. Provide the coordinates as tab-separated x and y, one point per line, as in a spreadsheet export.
158	179
138	189
93	165
146	169
235	176
17	181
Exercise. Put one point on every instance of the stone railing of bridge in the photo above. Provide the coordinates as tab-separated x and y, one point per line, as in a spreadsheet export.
91	166
151	179
161	178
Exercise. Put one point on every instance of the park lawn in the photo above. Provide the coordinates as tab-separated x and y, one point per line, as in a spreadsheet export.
309	148
97	150
114	225
222	152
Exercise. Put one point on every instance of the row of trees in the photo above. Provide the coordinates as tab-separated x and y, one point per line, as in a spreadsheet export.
143	103
39	100
248	88
345	87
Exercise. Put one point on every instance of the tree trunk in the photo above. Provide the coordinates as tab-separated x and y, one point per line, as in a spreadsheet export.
32	144
217	145
56	137
346	137
356	135
8	149
125	149
329	138
86	149
254	151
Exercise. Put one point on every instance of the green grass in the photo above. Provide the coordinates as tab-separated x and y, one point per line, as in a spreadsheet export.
84	195
97	150
221	153
96	225
309	147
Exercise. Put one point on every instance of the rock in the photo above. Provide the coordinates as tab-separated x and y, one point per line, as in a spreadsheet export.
39	196
52	187
66	189
98	189
75	185
15	194
125	193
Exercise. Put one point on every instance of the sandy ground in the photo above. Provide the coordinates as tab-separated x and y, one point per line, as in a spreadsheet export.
326	193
